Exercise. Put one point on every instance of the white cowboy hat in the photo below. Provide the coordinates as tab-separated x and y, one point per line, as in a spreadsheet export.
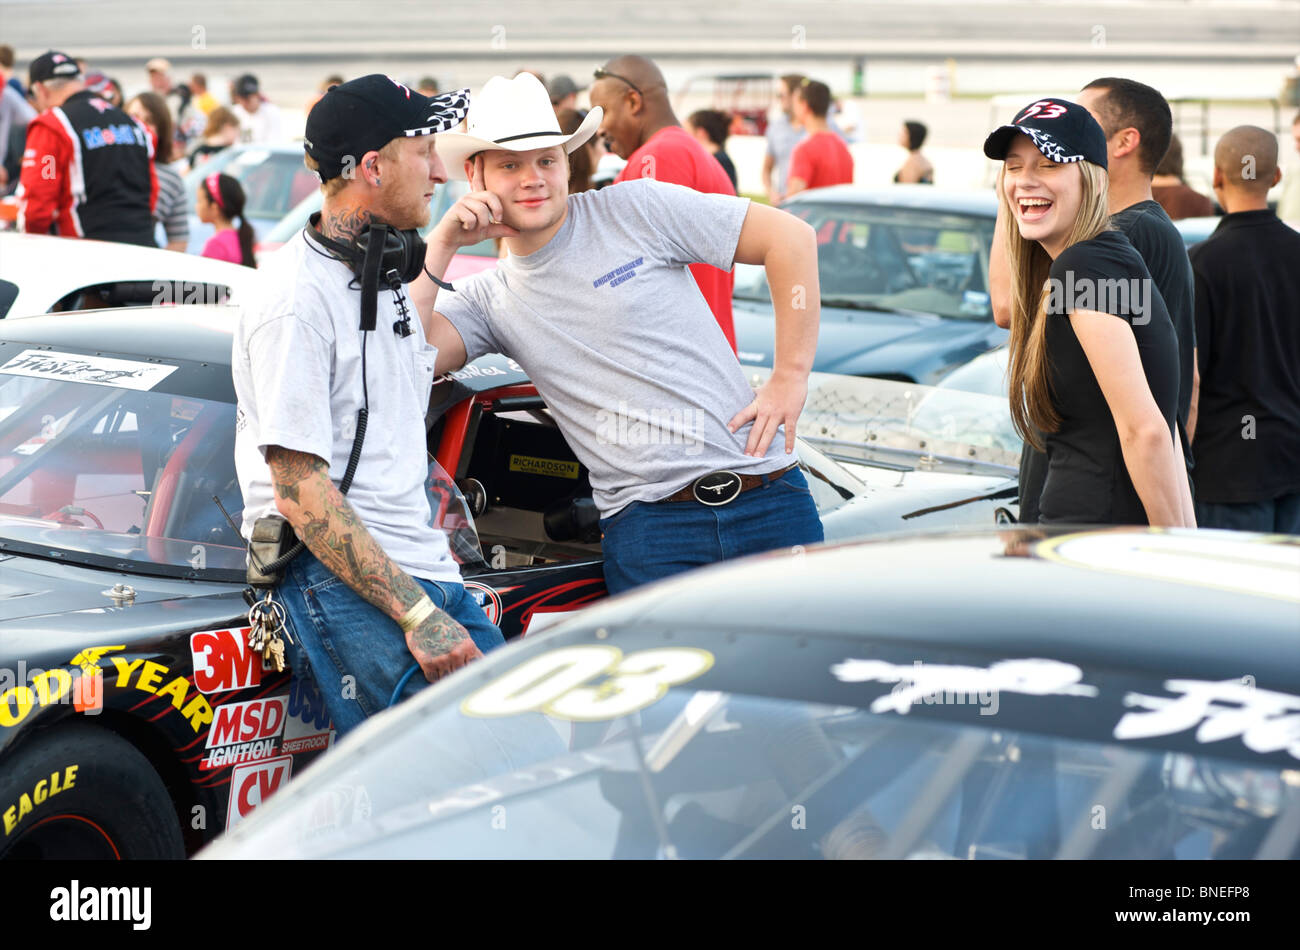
513	114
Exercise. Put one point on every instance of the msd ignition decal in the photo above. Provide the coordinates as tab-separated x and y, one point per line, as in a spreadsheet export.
308	727
250	785
487	598
245	732
224	661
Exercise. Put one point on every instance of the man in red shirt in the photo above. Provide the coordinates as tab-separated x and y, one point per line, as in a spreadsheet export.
639	125
822	158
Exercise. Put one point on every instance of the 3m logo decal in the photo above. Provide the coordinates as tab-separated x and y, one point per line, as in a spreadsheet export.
250	785
223	661
556	468
245	732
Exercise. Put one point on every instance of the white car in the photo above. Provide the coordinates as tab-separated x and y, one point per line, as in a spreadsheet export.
44	274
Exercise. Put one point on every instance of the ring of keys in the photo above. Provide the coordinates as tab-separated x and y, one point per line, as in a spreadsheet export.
265	625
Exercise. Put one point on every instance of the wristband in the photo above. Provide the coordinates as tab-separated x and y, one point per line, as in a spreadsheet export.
417	614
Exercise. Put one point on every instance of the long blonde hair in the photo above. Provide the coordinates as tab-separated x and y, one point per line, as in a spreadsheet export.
1032	411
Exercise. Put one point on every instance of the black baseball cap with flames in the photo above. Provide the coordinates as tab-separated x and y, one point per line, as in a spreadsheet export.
365	114
1063	131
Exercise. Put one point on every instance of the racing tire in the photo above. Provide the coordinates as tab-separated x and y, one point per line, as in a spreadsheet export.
82	792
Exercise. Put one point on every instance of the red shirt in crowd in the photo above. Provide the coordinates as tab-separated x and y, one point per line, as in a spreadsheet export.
821	159
673	155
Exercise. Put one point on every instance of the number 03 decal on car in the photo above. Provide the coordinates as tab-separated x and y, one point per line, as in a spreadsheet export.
558	683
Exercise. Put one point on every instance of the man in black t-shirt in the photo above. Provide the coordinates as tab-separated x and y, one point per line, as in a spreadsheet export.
1248	323
1138	127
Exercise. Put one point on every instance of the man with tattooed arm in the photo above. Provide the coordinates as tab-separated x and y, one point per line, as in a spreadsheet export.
376	589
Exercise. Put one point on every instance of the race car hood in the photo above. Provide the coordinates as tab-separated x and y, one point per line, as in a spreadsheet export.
32	588
864	343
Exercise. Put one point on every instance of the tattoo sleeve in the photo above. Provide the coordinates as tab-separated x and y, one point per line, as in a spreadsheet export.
331	530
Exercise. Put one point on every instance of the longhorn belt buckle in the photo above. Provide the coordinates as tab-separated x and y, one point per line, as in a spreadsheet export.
716	488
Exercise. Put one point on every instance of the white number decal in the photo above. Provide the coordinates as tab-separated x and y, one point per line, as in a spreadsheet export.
1044	110
552	683
540	680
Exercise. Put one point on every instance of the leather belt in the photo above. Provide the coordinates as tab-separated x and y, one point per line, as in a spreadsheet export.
719	488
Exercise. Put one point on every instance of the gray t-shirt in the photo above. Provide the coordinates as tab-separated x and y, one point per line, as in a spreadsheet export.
611	328
14	109
782	137
296	363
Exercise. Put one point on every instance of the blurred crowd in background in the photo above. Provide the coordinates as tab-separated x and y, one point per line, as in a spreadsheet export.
808	131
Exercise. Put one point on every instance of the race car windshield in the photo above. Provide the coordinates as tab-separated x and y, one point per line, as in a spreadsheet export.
100	471
654	749
102	474
892	259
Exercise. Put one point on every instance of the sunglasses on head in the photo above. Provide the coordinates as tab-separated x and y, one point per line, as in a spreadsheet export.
601	73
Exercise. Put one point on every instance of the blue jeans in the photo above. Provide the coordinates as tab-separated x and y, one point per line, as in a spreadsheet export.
1275	516
356	653
649	540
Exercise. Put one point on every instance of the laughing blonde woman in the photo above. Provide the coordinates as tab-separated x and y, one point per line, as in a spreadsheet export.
1094	356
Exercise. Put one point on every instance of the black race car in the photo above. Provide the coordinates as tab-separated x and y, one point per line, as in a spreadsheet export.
134	719
1116	693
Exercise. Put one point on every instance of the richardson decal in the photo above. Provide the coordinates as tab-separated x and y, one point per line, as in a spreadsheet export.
1266	721
245	732
487	598
59	780
252	784
223	661
147	676
308	727
531	465
933	683
554	683
76	368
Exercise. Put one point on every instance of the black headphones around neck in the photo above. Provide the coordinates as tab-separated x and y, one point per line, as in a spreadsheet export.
380	252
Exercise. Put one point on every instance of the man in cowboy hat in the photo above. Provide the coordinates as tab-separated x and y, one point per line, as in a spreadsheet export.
596	303
300	371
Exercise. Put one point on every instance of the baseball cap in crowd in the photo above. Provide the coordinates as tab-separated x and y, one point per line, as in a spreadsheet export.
365	114
1063	131
513	114
97	82
158	65
52	65
246	85
562	86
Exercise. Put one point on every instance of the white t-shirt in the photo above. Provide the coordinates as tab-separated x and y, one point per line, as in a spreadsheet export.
296	363
262	127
